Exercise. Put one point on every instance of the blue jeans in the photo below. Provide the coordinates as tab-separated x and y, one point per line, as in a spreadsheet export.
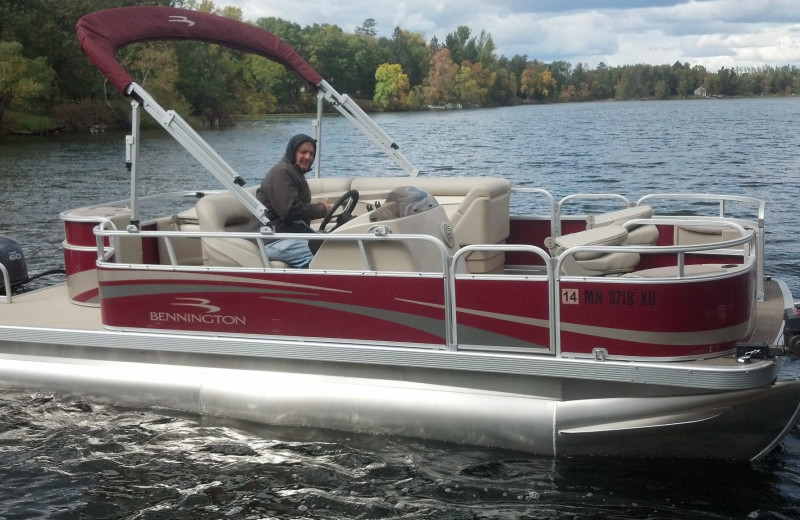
292	251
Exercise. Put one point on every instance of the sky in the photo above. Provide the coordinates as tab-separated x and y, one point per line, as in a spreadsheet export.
711	33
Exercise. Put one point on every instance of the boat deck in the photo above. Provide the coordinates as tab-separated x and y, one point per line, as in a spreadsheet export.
769	313
28	310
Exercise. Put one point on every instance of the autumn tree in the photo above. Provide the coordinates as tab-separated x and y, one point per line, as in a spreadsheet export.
537	81
391	86
438	87
472	83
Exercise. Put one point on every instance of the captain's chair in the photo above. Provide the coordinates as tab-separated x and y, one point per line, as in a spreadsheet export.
224	212
407	210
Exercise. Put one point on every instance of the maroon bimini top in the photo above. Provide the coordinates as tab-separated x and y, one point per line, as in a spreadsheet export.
103	32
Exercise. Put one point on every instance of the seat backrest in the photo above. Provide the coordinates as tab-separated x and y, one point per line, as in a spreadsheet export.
407	211
224	212
478	209
708	234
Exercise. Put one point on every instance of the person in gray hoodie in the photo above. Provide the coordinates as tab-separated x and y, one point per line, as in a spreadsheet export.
286	194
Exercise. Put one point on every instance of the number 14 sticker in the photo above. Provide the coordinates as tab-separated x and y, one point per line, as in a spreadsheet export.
570	296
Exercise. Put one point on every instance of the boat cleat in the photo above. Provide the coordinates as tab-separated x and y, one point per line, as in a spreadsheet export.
747	352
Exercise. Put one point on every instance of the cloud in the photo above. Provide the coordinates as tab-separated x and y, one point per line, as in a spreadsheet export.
558	37
618	32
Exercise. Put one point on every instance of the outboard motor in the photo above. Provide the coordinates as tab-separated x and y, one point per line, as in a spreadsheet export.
791	330
13	260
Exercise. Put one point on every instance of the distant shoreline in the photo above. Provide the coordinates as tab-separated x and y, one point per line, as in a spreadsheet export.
57	129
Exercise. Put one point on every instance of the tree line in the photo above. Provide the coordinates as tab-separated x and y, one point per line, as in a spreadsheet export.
46	81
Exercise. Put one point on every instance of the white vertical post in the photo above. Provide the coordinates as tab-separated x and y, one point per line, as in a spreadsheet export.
317	126
132	148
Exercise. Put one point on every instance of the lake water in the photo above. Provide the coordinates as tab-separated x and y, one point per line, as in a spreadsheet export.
66	458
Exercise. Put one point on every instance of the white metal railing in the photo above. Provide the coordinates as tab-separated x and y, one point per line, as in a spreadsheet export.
559	207
723	200
105	254
747	237
450	266
552	300
6	283
555	228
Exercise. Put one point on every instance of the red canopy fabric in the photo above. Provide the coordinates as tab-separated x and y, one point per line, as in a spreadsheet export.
102	33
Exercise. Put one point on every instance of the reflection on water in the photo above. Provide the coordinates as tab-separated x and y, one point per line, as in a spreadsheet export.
62	457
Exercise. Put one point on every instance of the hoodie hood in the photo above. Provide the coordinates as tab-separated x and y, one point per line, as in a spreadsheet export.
294	144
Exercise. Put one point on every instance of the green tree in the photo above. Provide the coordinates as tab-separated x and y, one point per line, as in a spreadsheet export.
661	90
503	89
712	84
330	51
487	51
267	85
516	65
409	50
727	79
391	86
561	71
462	45
22	81
368	55
287	88
287	31
49	31
154	65
367	28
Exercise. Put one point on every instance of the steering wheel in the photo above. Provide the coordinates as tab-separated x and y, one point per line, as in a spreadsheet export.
348	202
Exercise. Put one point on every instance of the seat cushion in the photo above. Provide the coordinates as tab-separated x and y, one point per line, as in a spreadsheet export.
603	236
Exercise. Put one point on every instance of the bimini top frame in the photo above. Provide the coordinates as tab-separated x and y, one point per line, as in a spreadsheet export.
103	32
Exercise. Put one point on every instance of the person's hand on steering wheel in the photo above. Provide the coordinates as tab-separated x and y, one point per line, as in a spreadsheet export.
348	202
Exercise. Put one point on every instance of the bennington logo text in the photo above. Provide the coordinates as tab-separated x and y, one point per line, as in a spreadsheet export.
187	317
209	318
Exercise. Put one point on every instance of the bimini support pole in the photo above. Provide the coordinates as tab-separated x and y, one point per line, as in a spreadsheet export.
200	149
362	121
317	124
132	163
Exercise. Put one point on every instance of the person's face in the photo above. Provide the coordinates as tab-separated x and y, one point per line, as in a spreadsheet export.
304	156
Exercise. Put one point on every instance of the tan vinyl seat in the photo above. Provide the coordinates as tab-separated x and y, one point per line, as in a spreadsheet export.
709	234
407	211
478	209
594	263
188	251
224	212
646	234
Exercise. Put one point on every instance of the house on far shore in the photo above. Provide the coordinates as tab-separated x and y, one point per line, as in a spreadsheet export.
700	92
